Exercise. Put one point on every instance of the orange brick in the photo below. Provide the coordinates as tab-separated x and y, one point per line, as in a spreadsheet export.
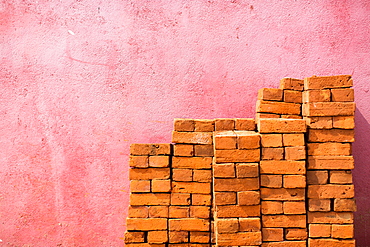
249	224
342	95
319	205
282	194
240	238
271	207
183	150
157	237
139	149
330	191
236	184
294	181
138	212
317	177
204	125
224	124
202	175
159	161
248	139
149	173
150	149
134	237
272	153
341	177
139	224
178	236
180	199
201	199
295	153
189	224
284	221
192	162
331	162
192	137
202	212
139	161
246	155
274	94
199	237
248	198
294	208
331	242
323	82
316	96
272	234
140	186
276	107
179	212
282	167
292	96
233	211
272	181
161	185
345	205
149	199
225	140
271	140
278	125
331	135
226	170
295	234
319	231
319	122
227	225
286	243
292	116
247	170
344	122
266	115
191	187
329	149
225	198
330	217
342	231
291	83
182	175
325	109
203	150
245	124
181	124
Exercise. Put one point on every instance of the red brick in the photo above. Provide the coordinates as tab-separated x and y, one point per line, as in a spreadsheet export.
292	116
138	212
249	224
277	125
248	198
178	237
227	225
295	234
272	234
189	224
282	167
179	212
341	177
294	181
331	135
237	184
291	83
342	95
330	191
199	237
226	170
274	94
342	231
140	186
319	205
319	231
192	162
284	221
278	107
245	124
139	224
248	139
139	161
272	153
203	150
317	177
233	211
202	212
181	124
271	207
191	187
316	96
149	199
225	140
272	181
161	185
204	125
246	155
330	242
330	217
159	161
331	162
282	194
294	208
325	109
225	198
224	124
157	237
182	174
329	149
183	150
345	205
180	199
192	137
134	237
247	170
201	199
292	96
240	238
266	115
139	149
319	122
285	244
149	173
295	153
323	82
271	140
150	149
202	175
344	122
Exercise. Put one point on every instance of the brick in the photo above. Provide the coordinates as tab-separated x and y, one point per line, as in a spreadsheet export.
330	191
320	122
248	198
134	237
294	208
331	243
272	234
139	149
199	237
285	244
180	199
271	140
272	181
292	116
325	109
278	107
316	96
342	95
323	82
317	177
182	124
150	149
282	167
139	161
225	140
329	149
282	194
247	170
157	237
179	212
295	234
140	186
204	125
139	224
342	231
192	162
189	224
144	245
284	221
271	207
240	238
149	199
295	153
149	173
233	211
227	225
331	162
224	124
201	199
272	125
294	181
266	115
272	153
246	155
202	212
341	177
331	135
248	139
159	161
274	94
291	83
203	150
182	175
292	96
226	170
344	122
225	198
178	236
202	175
345	205
192	137
191	187
319	231
237	184
183	150
138	212
330	217
319	205
245	124
249	224
161	185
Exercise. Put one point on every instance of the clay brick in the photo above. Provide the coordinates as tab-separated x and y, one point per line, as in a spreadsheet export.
237	184
149	199
140	186
294	208
161	185
292	116
201	199
271	207
225	140
248	139
271	140
188	224
272	181
204	125
157	237
145	245
292	96
134	237
317	177
341	177
278	107
226	170
202	212
203	150
331	162
323	82
319	231
344	122
202	175
331	243
282	194
233	211
159	161
182	175
294	181
192	162
140	224
330	191
272	234
247	170
181	124
139	149
150	149
138	212
330	217
272	125
179	212
319	122
240	238
139	161
225	198
192	137
180	199
342	231
331	135
316	96
191	187
178	237
319	205
329	149
183	150
284	221
266	115
285	244
274	94
282	167
245	124
295	234
249	224
227	225
342	95
224	124
325	109
345	205
199	237
272	153
248	198
149	173
291	83
295	153
246	155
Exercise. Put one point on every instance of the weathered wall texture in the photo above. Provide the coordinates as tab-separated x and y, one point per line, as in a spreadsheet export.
80	80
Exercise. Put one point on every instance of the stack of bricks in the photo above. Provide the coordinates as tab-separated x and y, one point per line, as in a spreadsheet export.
329	111
236	183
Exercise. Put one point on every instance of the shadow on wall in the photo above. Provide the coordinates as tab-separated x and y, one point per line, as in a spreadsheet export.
361	174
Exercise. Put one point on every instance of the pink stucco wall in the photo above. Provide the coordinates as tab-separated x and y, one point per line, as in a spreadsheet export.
81	80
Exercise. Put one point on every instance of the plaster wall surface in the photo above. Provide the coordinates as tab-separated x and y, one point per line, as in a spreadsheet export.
81	80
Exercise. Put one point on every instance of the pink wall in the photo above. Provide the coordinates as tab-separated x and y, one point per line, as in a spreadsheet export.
81	80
